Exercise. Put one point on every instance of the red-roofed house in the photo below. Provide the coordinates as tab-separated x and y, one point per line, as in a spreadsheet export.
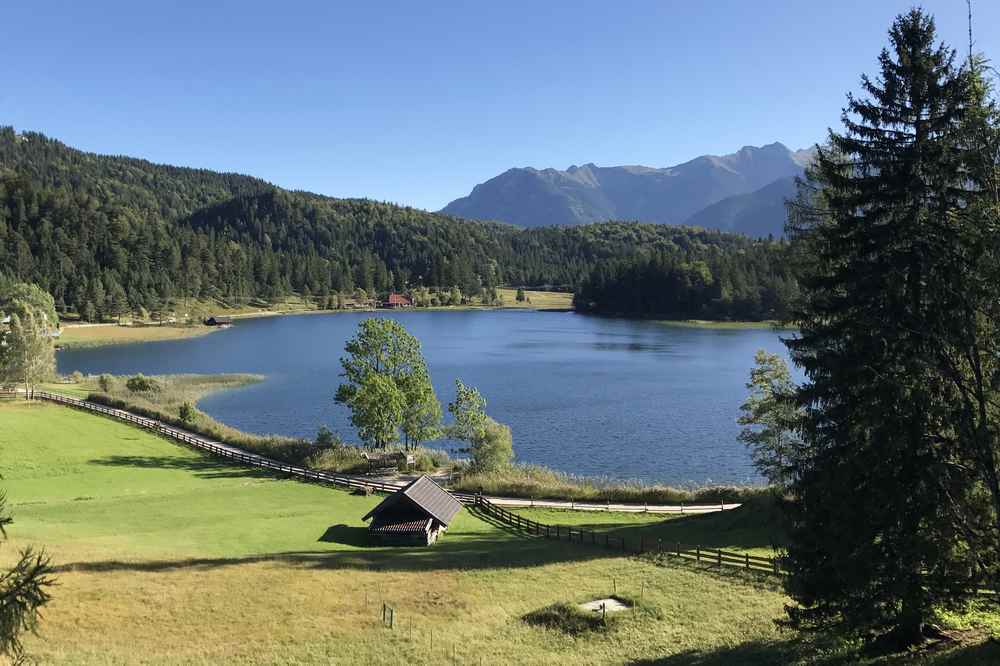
398	301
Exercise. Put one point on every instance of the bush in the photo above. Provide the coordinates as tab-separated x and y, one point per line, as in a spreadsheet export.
76	377
186	412
325	439
142	384
492	447
567	618
429	460
106	382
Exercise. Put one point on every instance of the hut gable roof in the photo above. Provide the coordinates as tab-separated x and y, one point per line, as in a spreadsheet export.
425	494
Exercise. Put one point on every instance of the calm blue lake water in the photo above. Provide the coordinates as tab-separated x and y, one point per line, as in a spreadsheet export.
602	397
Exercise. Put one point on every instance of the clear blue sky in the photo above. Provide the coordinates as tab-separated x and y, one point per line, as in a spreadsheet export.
416	102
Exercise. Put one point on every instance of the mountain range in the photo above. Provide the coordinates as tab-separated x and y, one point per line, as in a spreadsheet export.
743	192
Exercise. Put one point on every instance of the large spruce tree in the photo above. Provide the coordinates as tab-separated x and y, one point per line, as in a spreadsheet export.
872	547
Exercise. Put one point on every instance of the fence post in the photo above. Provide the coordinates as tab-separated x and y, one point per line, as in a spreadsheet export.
748	560
718	554
697	553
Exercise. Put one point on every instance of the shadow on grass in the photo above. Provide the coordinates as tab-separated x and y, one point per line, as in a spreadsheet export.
346	535
804	651
202	467
454	551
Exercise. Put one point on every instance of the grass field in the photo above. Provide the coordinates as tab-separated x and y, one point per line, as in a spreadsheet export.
74	336
169	557
753	528
537	300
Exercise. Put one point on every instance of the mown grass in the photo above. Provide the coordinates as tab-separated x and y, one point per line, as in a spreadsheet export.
536	482
166	556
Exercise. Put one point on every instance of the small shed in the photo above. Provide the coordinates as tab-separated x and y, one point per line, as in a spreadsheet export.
219	321
415	515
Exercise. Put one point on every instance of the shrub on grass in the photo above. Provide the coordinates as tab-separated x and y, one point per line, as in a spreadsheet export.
76	377
569	619
142	384
106	382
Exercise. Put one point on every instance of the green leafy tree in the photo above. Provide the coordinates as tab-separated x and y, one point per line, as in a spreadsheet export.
377	408
770	419
872	548
27	353
24	589
186	412
422	413
520	295
384	349
490	442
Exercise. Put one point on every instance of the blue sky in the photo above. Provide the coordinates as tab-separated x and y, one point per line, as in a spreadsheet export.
417	102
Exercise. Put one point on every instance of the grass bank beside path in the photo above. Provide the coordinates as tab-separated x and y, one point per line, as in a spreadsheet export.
75	336
752	528
167	556
537	482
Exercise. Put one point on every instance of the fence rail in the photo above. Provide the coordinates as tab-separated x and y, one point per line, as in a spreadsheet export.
640	546
230	452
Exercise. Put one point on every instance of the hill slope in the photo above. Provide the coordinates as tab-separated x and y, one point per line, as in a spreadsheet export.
589	193
110	234
760	213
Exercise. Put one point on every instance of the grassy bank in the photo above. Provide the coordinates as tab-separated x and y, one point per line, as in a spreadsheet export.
77	336
172	392
526	481
537	300
533	481
754	528
166	556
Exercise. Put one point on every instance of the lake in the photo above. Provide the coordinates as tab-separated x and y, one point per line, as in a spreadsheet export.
601	397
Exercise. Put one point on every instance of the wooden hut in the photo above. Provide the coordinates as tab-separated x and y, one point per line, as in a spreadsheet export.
415	515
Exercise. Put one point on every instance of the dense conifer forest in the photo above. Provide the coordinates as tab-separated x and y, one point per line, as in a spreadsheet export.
109	234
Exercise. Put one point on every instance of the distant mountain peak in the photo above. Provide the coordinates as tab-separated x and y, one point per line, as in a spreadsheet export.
588	193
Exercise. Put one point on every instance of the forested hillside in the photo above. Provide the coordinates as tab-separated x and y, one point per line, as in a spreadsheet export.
106	235
722	277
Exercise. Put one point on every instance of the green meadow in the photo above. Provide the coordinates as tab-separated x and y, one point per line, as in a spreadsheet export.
166	556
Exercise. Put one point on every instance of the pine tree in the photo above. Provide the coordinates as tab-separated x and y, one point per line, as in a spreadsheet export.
871	549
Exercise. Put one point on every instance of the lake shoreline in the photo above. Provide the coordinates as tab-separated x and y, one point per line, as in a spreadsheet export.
563	419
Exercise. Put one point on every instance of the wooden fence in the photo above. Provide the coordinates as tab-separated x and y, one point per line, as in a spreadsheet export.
231	452
636	546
